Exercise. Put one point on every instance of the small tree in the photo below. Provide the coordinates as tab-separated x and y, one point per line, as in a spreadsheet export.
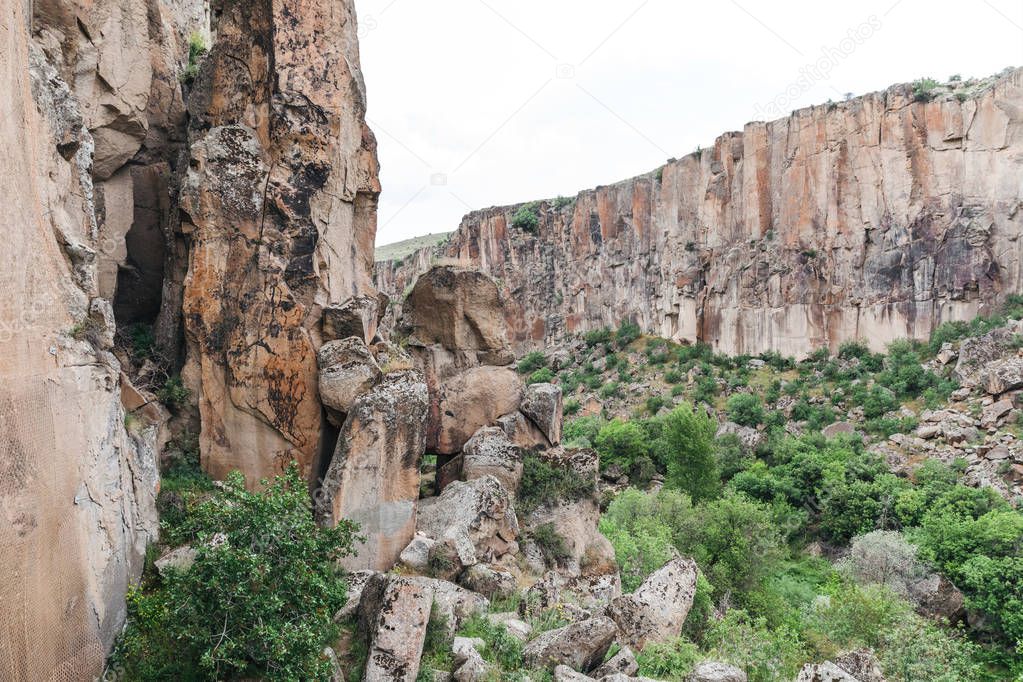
688	444
745	409
884	557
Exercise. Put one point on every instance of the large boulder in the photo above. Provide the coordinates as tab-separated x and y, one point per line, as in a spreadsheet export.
522	431
490	453
824	672
490	582
978	352
459	310
347	371
580	646
453	603
469	401
1004	375
713	671
396	612
622	663
373	478
476	517
358	316
542	403
655	612
936	597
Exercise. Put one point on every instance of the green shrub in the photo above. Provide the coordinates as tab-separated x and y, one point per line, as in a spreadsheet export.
527	218
597	337
654	404
610	389
544	483
581	432
143	341
621	442
544	375
626	334
531	362
745	409
672	660
174	394
765	654
552	545
571	407
672	376
501	648
923	89
258	603
196	50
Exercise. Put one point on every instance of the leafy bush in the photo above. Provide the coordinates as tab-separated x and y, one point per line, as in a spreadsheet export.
597	337
544	375
259	600
610	389
626	334
654	404
551	543
501	648
196	50
621	442
884	558
531	362
581	432
745	409
571	407
923	89
527	218
544	483
173	393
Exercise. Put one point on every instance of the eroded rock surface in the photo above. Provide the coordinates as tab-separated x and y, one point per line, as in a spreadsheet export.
656	611
875	218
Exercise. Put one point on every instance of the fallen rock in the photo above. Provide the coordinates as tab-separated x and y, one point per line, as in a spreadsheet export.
490	582
477	516
994	412
542	403
521	431
713	671
563	673
936	597
358	316
357	581
832	430
580	646
824	672
977	353
861	664
373	478
347	371
398	628
519	629
460	310
469	665
490	453
749	437
416	554
1004	375
657	609
456	604
469	401
623	663
180	559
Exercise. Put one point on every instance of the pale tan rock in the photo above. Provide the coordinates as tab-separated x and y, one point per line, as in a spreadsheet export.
373	478
789	235
358	316
656	611
623	663
490	453
401	610
580	646
469	401
713	671
543	405
477	516
347	371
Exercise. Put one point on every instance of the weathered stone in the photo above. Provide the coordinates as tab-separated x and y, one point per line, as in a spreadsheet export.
347	371
470	666
657	609
936	597
580	646
832	430
624	663
522	431
279	202
455	604
824	672
713	671
519	629
397	628
416	554
477	516
995	411
490	582
861	664
543	405
179	559
563	673
469	401
490	453
358	317
748	436
373	478
357	582
976	353
1004	375
460	310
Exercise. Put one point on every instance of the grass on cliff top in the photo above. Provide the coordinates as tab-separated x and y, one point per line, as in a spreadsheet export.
402	249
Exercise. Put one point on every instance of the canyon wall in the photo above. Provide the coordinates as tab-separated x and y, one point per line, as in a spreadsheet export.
875	218
90	103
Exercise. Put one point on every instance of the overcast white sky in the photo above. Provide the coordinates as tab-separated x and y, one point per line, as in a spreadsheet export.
479	103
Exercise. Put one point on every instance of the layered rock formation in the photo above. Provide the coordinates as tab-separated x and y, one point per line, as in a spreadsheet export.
875	218
279	205
91	98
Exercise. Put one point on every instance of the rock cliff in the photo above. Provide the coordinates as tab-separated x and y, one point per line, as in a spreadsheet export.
875	218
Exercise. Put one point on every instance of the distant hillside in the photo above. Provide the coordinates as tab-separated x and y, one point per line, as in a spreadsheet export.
399	250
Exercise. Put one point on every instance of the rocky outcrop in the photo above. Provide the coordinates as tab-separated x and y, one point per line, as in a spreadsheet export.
656	611
580	646
279	205
373	477
876	218
399	609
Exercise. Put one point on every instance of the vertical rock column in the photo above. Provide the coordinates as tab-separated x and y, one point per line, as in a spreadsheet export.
279	204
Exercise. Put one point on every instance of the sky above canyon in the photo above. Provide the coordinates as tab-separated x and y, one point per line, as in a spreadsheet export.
479	103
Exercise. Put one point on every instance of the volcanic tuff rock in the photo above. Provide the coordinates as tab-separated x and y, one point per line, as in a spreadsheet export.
875	218
280	206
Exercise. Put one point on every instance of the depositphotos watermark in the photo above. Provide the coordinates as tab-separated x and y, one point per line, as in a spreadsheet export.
818	70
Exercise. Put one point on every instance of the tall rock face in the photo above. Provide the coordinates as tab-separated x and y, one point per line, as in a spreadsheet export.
279	212
874	219
91	105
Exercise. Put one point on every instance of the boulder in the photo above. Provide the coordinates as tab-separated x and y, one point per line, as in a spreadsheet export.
542	403
563	673
832	430
416	554
521	431
936	597
357	581
456	604
580	646
469	401
469	665
179	559
347	371
358	316
460	310
1004	375
713	671
490	453
994	412
476	516
861	664
657	609
977	353
519	629
399	610
489	581
748	436
622	663
373	478
824	672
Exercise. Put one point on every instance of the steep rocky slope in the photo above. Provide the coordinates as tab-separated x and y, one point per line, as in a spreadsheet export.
875	218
